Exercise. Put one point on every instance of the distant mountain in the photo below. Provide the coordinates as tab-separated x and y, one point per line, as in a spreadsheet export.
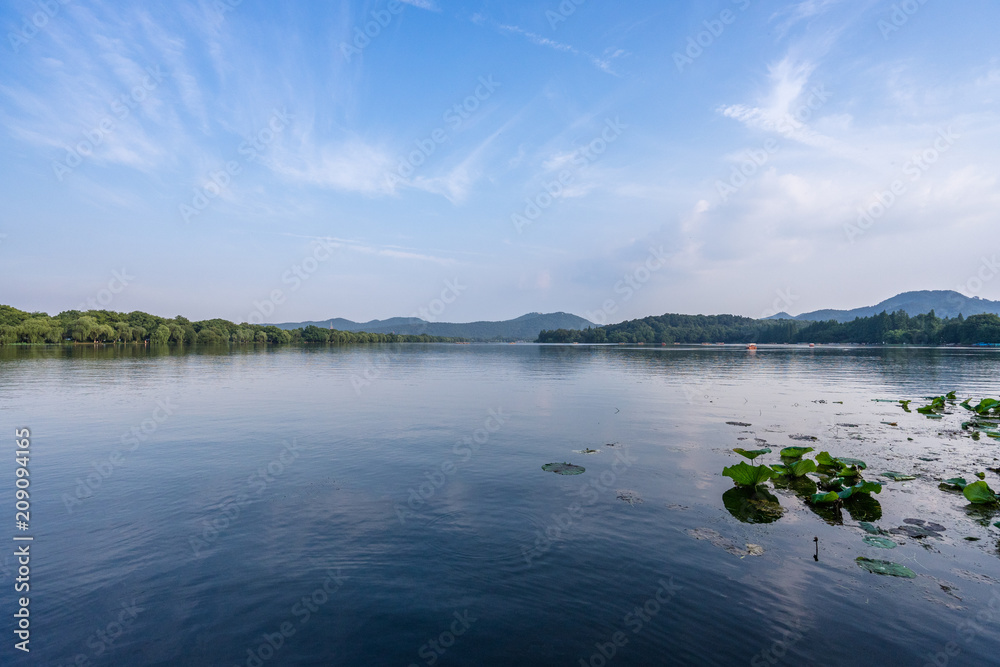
944	303
526	327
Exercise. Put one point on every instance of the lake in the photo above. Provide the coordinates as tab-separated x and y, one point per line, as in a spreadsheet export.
387	505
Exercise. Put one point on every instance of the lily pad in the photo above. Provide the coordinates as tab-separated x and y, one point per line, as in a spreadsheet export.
794	452
752	453
880	542
564	468
954	484
587	451
739	424
869	528
885	567
897	476
807	438
795	469
980	493
997	524
748	475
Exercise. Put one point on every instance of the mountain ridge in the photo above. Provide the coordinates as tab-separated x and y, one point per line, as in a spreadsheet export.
944	303
525	327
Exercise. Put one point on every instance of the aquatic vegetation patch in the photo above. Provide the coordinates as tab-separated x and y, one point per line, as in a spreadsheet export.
564	468
953	484
885	567
794	452
752	453
795	468
752	505
919	529
739	424
880	542
586	451
805	438
980	493
747	475
897	476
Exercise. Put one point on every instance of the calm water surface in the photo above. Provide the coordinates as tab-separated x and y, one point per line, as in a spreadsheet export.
386	506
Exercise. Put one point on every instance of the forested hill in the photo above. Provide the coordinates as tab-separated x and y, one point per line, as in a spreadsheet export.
946	303
104	326
526	327
896	328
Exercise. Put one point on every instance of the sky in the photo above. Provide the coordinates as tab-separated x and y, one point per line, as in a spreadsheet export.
480	160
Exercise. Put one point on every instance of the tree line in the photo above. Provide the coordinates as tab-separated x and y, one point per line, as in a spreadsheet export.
885	328
106	326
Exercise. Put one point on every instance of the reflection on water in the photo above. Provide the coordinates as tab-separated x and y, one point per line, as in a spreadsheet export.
367	504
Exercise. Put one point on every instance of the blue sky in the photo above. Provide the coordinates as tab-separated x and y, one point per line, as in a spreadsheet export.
613	160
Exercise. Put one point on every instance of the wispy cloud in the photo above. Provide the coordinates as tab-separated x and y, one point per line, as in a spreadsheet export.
390	251
429	5
603	64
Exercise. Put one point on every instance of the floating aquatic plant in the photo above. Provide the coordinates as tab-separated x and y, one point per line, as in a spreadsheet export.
564	468
847	492
747	475
794	452
980	493
885	567
897	476
953	484
752	453
795	468
880	542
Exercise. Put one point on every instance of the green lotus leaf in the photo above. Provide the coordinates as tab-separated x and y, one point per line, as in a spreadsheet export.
564	468
880	542
822	498
885	567
954	484
980	493
794	452
752	453
748	475
824	459
951	396
863	507
897	476
857	463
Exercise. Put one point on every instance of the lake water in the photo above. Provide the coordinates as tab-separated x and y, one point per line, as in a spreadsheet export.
386	505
